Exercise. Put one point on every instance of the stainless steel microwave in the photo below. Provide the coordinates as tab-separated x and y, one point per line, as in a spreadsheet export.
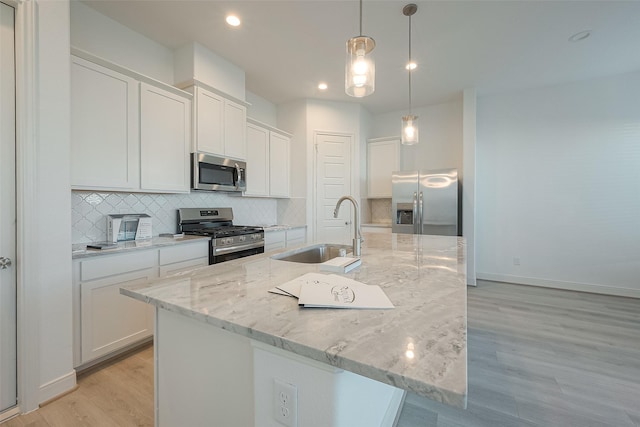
217	174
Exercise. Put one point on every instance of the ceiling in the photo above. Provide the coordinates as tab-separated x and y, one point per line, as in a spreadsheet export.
287	47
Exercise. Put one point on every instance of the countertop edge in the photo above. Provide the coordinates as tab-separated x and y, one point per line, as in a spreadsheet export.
79	251
439	394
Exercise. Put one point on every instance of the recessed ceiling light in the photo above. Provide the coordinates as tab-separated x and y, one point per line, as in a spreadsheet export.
323	86
233	20
411	66
580	36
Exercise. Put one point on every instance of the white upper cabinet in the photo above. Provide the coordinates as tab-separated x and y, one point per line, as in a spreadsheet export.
209	124
235	123
383	158
268	165
165	139
279	165
257	161
220	123
128	131
104	128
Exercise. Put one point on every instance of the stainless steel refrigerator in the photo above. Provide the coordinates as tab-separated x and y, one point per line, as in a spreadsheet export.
425	202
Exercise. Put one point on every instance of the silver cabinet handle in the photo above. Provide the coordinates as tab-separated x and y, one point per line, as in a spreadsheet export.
4	263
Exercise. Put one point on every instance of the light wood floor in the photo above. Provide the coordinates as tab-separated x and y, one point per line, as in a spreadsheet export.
537	357
118	394
543	357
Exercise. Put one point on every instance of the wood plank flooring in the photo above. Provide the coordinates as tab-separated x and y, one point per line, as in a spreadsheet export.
537	357
544	357
119	393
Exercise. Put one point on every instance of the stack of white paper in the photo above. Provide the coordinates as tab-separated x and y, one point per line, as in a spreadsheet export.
331	290
341	264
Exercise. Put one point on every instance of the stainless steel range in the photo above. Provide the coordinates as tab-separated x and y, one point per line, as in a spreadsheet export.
228	241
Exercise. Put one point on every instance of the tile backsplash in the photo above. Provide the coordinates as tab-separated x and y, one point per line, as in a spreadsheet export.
89	210
381	211
292	211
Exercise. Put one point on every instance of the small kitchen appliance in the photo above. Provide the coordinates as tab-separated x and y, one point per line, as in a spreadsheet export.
425	202
228	241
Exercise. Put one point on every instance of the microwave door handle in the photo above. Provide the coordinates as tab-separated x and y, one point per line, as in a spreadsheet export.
238	176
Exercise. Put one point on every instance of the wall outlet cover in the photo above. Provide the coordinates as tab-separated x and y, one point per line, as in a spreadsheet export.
285	403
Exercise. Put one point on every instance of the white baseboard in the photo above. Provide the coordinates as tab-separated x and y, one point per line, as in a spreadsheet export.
59	386
558	284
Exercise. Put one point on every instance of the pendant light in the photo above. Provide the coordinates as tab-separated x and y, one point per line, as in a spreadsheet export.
360	70
409	125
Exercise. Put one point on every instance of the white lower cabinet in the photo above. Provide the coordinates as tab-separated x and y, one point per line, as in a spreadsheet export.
109	320
280	239
106	322
275	240
296	236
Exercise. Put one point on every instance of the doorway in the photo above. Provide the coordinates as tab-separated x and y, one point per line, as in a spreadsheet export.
8	365
333	180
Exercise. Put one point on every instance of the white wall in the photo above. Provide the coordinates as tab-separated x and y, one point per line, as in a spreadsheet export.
558	173
106	38
194	61
261	109
440	129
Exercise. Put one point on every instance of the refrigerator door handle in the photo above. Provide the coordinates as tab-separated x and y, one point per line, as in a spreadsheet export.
420	213
415	213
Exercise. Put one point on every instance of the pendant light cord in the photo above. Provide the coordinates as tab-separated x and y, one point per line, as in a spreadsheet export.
409	64
360	18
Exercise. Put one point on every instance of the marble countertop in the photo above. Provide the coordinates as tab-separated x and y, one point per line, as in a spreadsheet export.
79	250
419	346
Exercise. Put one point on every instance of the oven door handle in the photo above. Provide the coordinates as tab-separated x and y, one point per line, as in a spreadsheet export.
229	249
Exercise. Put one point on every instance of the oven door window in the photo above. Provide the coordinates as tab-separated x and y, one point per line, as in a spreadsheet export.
217	174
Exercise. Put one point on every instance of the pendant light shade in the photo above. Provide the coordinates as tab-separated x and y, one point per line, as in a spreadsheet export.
360	69
409	132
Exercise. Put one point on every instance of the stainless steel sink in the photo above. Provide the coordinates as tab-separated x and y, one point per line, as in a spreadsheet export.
313	254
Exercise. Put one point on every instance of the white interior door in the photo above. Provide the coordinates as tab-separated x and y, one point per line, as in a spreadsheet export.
333	180
8	390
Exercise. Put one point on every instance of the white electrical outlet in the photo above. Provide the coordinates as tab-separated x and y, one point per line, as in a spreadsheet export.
285	403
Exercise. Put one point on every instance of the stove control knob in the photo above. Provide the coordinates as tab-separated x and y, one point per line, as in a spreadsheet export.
255	236
242	238
230	240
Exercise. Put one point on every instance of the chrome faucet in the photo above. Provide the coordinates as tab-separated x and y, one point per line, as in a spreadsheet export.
357	239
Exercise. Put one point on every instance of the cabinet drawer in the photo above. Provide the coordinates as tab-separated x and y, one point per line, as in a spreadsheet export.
184	252
117	264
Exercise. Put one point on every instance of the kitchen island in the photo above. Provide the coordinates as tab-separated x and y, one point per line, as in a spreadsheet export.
223	341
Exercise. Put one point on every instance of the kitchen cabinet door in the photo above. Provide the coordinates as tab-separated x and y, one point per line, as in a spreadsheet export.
275	240
257	161
279	165
383	158
235	127
296	236
165	138
109	320
209	124
104	128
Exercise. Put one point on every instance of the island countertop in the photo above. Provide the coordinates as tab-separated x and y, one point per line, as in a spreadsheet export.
419	346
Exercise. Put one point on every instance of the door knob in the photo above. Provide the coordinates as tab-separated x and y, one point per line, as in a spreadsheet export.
4	263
